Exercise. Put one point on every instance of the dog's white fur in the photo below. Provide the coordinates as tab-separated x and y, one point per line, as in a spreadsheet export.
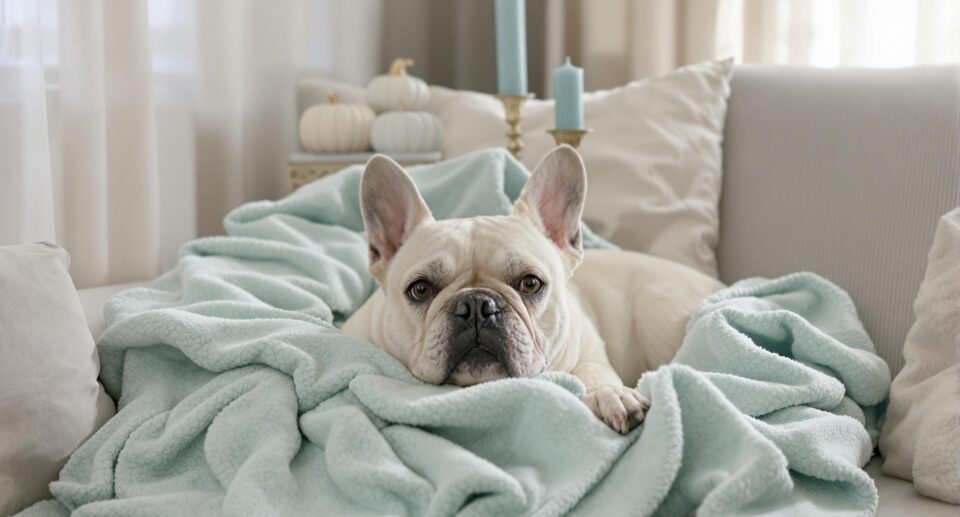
621	306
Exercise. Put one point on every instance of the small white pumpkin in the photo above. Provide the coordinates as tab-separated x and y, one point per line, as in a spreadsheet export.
335	127
406	132
396	90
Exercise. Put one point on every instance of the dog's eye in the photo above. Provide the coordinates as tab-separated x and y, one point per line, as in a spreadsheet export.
530	284
420	291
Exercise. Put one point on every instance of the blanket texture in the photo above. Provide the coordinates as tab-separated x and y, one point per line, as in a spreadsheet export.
239	396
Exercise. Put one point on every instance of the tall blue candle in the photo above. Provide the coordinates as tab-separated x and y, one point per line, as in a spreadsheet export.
511	47
568	96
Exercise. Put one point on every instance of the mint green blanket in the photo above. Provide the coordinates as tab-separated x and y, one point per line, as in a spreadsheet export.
239	396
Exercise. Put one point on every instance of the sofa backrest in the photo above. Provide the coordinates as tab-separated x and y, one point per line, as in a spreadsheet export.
843	172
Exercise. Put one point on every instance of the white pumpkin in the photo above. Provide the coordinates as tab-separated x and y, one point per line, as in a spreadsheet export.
406	132
396	90
336	128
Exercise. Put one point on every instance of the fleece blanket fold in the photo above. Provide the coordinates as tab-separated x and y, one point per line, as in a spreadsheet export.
239	396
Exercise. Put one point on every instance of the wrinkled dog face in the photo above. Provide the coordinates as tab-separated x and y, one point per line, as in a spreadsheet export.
471	300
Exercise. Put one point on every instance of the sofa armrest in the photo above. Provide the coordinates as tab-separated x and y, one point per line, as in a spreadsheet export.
93	299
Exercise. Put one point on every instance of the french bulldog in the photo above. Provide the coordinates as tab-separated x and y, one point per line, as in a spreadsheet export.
465	301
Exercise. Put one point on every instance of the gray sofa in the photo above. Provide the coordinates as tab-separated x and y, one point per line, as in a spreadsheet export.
843	172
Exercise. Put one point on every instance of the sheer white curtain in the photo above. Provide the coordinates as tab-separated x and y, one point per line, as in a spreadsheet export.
630	39
616	41
128	127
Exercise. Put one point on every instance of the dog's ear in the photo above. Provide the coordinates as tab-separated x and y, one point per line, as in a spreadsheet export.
392	208
553	199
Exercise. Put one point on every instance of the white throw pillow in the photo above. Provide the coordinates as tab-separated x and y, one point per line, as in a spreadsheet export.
654	159
50	400
920	439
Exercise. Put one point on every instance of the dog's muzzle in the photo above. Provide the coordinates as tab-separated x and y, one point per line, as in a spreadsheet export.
477	335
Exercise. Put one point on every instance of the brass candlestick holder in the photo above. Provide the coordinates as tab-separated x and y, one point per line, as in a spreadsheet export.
513	113
570	137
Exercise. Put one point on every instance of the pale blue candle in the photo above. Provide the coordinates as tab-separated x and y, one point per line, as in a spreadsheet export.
511	47
568	96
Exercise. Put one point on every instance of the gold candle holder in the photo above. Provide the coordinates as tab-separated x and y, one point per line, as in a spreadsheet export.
513	113
570	137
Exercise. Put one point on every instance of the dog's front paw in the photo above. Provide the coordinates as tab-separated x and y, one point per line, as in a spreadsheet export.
620	407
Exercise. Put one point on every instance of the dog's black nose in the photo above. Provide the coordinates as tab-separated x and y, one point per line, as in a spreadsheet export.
476	306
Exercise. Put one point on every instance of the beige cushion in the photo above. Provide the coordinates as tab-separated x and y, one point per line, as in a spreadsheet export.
653	161
920	439
50	400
